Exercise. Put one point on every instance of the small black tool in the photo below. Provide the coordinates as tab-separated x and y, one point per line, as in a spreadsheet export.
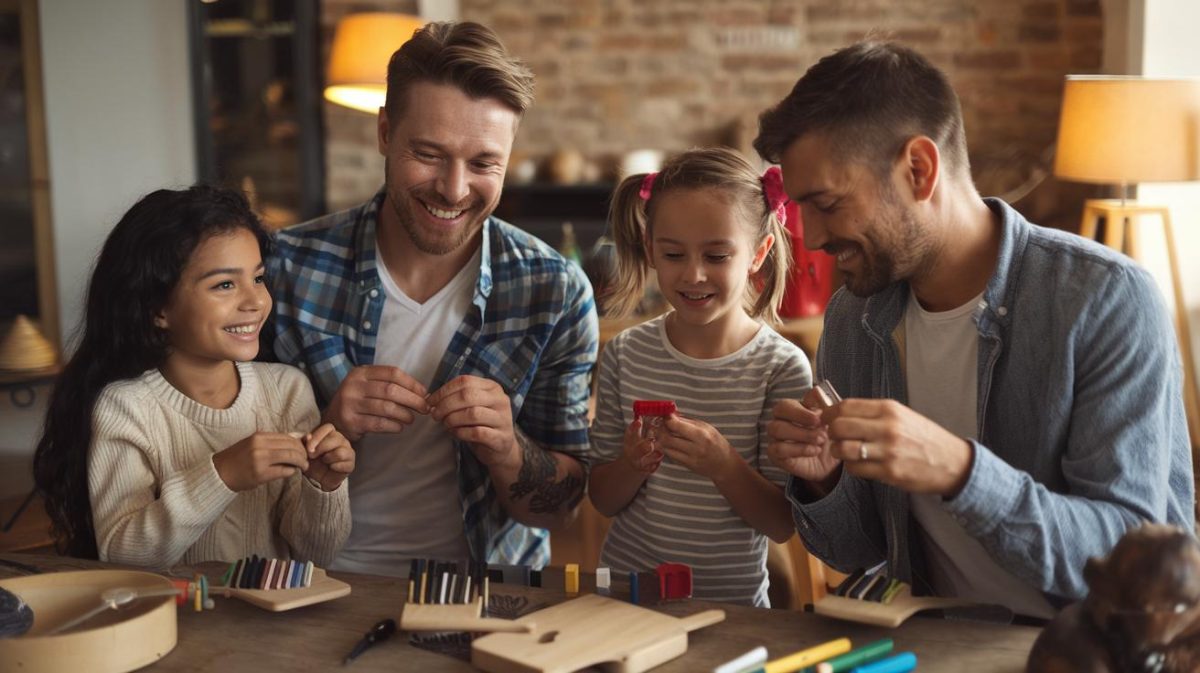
378	633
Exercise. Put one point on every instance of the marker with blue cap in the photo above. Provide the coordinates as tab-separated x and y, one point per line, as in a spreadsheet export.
901	663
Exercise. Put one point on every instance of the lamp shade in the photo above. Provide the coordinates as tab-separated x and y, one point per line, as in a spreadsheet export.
362	46
1129	129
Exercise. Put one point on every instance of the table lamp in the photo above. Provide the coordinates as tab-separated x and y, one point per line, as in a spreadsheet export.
362	46
1123	131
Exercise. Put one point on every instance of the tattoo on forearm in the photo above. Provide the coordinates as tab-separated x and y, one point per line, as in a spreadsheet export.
537	477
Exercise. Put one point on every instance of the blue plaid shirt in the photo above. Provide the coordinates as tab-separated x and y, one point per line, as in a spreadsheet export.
532	328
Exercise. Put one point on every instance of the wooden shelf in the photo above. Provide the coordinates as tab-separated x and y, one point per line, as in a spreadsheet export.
25	377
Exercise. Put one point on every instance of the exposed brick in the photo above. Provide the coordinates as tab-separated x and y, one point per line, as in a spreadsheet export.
615	75
1085	32
1038	32
918	36
988	60
1041	10
758	62
844	12
1033	86
1083	7
672	87
779	15
746	15
1053	59
1086	59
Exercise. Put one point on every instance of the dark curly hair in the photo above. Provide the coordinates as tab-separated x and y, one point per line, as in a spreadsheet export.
136	272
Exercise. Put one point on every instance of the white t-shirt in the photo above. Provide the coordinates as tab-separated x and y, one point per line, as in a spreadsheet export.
404	499
942	369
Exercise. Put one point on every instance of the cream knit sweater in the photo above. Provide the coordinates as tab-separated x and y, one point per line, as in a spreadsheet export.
157	499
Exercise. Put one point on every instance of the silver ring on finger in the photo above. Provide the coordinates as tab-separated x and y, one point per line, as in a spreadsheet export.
863	454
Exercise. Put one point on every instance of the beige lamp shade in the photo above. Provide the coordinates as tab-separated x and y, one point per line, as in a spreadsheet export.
1125	130
362	46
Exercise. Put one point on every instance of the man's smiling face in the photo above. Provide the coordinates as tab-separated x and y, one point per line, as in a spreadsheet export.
445	158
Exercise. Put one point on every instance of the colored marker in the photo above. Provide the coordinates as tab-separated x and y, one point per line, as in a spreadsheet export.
424	579
849	582
633	588
571	579
228	574
893	591
867	585
901	663
863	655
487	597
752	658
812	655
603	581
261	581
232	582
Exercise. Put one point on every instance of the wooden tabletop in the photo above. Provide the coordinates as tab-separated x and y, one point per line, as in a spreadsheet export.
238	637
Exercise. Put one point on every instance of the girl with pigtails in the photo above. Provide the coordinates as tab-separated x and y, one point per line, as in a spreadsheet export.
701	490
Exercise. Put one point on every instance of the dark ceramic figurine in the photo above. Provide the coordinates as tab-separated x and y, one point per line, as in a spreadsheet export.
1142	614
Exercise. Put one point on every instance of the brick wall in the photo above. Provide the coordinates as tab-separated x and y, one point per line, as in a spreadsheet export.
618	75
353	166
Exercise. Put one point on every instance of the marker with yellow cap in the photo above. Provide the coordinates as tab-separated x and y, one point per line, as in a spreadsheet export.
812	655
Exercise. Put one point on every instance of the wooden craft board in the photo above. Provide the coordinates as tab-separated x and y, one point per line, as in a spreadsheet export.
891	615
589	631
323	588
456	617
144	629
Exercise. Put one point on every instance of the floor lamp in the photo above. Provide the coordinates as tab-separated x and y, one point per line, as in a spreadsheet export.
1129	130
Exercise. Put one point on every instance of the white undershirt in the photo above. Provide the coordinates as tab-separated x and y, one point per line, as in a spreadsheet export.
404	499
942	369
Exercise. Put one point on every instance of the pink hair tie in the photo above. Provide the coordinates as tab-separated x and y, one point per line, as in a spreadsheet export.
647	186
777	198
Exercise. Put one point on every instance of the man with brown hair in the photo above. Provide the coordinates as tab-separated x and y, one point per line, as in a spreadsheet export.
452	348
1013	392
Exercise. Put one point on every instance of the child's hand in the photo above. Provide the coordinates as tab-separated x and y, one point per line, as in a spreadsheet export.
697	446
258	459
330	457
639	453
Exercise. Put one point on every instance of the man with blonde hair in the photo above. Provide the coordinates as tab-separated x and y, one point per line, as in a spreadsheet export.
452	348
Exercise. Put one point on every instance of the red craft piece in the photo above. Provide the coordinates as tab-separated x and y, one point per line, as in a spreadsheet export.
674	581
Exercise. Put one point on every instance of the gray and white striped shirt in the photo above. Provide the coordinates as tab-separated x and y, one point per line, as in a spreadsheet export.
679	516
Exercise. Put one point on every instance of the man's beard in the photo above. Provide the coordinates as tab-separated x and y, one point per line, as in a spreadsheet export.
432	242
897	255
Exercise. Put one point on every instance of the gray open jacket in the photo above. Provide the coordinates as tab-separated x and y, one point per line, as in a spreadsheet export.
1081	432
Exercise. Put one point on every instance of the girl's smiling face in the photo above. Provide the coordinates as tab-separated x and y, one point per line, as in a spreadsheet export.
703	253
220	303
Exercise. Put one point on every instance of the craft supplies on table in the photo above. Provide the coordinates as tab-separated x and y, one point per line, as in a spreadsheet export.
878	599
853	659
443	599
745	662
279	584
383	629
588	631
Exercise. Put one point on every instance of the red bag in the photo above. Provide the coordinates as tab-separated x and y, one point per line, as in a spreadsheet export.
810	283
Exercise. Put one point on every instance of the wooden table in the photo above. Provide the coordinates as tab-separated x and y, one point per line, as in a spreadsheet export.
238	637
